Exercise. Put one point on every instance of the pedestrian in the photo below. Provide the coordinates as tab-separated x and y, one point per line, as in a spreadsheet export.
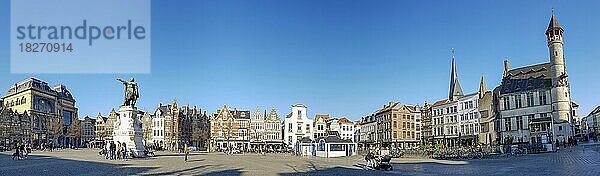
106	148
557	144
16	154
113	149
124	151
118	150
28	150
186	152
23	152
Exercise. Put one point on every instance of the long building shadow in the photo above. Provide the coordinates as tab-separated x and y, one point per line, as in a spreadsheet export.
342	171
47	165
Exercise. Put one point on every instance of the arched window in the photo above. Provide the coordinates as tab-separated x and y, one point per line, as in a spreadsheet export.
18	102
23	100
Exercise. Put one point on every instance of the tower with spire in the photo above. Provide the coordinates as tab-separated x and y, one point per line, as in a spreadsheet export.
561	101
455	89
482	87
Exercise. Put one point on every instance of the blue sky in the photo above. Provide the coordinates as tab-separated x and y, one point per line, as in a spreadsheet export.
344	58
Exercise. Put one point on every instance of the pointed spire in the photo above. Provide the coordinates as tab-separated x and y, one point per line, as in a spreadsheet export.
554	24
482	86
455	89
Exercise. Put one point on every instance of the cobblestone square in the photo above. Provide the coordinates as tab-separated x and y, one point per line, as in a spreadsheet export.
580	160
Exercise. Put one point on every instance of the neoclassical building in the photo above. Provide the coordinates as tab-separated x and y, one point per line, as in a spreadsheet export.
534	102
51	110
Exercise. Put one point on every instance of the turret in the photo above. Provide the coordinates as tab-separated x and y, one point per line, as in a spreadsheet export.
561	94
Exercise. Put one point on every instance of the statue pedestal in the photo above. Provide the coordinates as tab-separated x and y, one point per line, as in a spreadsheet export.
128	130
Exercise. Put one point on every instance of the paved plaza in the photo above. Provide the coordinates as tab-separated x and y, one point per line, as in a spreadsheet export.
581	160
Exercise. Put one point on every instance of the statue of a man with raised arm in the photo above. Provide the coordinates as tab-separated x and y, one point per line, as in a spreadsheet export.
131	92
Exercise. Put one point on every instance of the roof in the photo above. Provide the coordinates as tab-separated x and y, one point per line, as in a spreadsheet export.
299	105
554	23
305	140
527	78
334	139
595	111
455	89
344	120
440	102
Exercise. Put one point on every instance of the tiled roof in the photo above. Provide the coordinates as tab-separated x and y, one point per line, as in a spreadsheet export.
440	102
527	78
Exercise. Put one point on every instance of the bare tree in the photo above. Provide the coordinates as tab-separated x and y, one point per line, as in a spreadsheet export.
75	130
55	127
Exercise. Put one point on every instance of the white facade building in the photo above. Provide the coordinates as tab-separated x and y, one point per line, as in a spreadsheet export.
469	118
297	125
343	126
158	127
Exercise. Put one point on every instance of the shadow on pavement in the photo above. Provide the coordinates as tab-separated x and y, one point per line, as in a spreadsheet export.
183	171
233	172
47	165
342	171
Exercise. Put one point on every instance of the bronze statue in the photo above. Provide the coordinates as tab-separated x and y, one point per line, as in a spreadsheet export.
131	92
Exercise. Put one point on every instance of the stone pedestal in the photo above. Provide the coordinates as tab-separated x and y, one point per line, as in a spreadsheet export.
128	130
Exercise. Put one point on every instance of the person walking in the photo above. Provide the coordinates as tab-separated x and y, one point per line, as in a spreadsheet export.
113	149
124	151
186	152
118	150
16	154
106	150
23	152
28	150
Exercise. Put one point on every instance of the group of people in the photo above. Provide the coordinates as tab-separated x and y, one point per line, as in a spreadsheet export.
570	142
114	151
22	151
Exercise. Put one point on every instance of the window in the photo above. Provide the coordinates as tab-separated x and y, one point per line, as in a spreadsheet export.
518	101
529	99
542	96
289	127
507	124
506	102
299	128
520	123
337	147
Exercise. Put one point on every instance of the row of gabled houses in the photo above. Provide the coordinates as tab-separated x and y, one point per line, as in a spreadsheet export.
532	105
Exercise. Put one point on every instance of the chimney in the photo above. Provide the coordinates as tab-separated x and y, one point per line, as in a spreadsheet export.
506	67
